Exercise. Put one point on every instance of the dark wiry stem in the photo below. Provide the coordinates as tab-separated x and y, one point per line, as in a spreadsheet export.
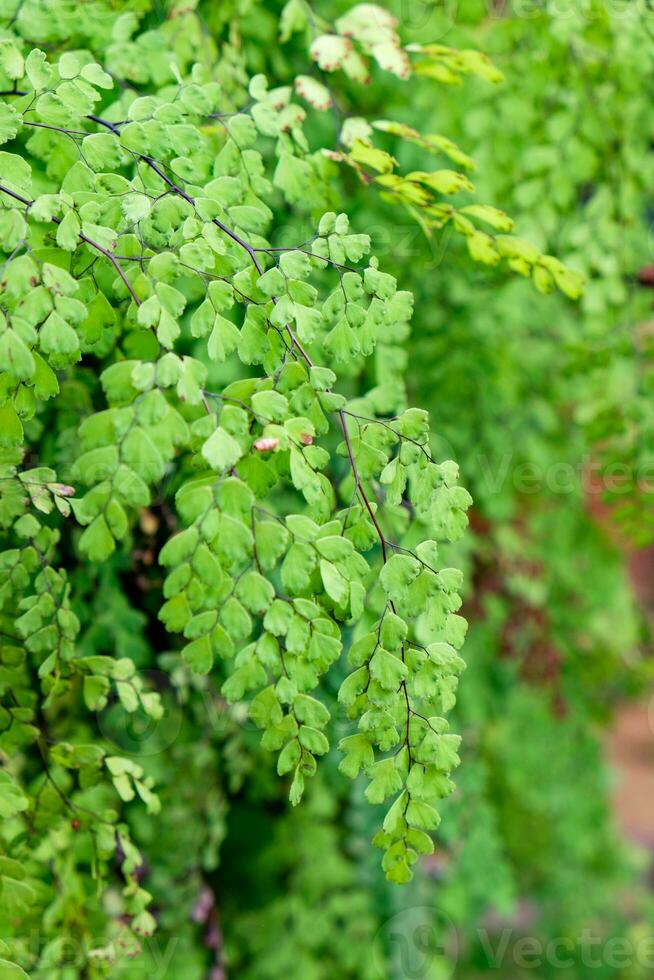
89	241
176	189
170	183
357	482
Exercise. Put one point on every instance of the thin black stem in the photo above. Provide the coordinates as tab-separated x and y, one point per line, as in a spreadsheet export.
89	241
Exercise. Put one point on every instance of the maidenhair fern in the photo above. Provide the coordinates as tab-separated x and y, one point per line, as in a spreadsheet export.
192	368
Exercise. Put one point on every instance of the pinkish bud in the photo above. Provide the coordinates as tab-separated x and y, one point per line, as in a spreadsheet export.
266	445
62	490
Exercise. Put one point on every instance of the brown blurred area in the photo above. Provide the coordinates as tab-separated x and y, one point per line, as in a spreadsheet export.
630	743
630	740
630	750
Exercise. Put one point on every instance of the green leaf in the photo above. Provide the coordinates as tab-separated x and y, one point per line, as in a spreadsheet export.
393	631
388	669
293	18
12	798
271	405
334	547
94	74
352	686
68	231
224	338
297	567
10	122
336	586
297	787
358	754
271	542
255	592
11	429
443	181
289	757
15	356
16	172
38	70
422	815
199	655
342	342
68	65
11	60
569	282
492	216
10	971
313	740
97	542
397	574
168	330
384	781
57	336
278	618
136	207
13	229
371	157
221	450
310	711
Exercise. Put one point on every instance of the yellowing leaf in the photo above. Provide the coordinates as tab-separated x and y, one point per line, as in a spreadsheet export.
370	156
313	92
330	50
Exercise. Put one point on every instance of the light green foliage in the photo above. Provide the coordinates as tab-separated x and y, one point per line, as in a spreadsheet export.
347	45
139	272
226	534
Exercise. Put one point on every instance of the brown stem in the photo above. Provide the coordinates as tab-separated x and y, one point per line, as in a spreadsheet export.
357	483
